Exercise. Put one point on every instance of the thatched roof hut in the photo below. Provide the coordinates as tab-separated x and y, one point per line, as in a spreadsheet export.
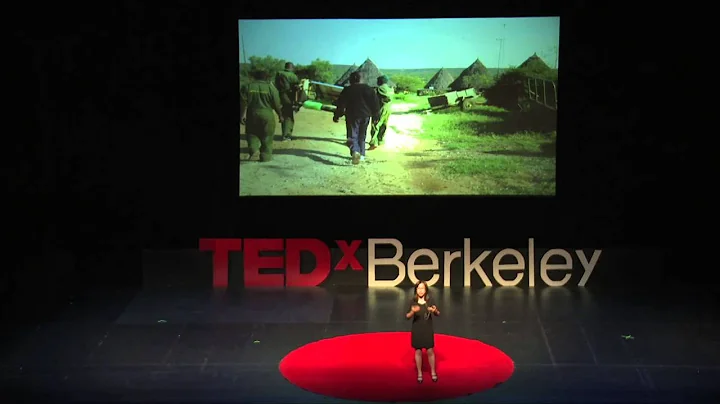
346	76
370	73
535	64
440	81
475	68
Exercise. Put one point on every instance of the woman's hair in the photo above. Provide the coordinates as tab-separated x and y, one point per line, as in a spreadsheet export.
427	290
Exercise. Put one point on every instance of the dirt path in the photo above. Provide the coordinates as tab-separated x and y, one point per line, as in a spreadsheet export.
318	162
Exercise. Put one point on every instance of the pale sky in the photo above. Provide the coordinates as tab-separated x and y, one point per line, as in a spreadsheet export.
406	43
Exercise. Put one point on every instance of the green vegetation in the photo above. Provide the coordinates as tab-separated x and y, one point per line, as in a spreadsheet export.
506	151
420	101
406	82
504	156
477	81
509	89
410	83
318	70
329	73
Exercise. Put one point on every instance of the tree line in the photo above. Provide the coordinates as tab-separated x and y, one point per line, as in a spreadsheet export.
503	90
317	70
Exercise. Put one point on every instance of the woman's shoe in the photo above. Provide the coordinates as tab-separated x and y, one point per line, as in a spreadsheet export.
420	379
434	378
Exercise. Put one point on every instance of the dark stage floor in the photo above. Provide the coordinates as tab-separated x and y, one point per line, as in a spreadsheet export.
182	346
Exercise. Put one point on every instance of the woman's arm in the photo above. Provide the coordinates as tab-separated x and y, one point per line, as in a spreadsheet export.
410	314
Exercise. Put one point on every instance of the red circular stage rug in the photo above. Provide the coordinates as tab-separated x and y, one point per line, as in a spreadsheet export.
381	367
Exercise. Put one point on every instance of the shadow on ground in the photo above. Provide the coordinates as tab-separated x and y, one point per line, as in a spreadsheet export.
536	119
491	113
539	120
321	139
279	139
316	156
546	150
411	112
427	163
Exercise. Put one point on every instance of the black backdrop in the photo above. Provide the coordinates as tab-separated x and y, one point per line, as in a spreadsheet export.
127	139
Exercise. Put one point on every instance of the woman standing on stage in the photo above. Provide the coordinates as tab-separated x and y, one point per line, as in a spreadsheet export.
421	312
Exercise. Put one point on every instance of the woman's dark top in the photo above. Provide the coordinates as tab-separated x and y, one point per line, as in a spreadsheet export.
422	334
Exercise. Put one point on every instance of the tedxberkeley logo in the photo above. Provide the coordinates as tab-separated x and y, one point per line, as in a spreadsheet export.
499	269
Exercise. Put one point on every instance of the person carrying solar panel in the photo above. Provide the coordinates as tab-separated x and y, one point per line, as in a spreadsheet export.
259	99
379	124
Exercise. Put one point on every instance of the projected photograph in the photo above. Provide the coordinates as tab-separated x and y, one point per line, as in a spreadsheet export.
398	107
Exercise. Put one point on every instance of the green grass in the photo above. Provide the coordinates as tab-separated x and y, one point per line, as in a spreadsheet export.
487	147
